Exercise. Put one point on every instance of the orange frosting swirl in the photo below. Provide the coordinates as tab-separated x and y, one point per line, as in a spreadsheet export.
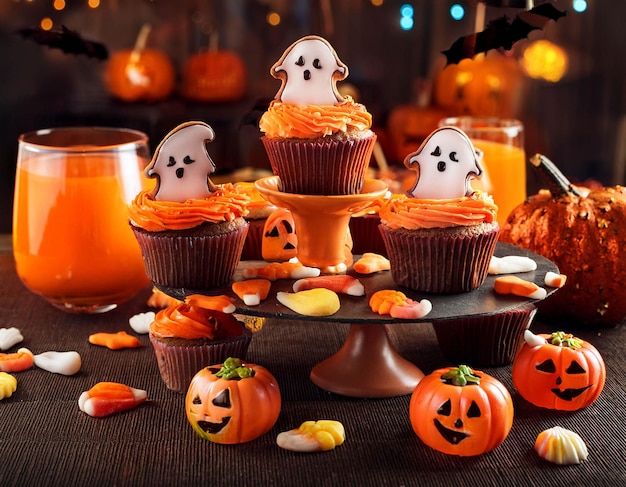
224	205
312	121
258	206
415	213
193	322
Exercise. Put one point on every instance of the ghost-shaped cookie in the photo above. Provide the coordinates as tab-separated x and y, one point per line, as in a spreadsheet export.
309	70
446	160
182	164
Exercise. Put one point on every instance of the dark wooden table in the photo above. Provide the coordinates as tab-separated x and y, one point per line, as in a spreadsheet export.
46	440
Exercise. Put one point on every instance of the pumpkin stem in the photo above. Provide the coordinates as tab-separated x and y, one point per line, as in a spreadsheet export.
562	339
232	369
461	376
557	183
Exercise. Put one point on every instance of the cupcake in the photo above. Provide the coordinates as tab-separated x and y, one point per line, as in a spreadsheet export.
190	231
310	129
441	235
259	209
187	338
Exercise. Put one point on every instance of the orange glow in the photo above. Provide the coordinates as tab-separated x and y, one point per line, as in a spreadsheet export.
93	3
273	18
59	4
46	23
545	60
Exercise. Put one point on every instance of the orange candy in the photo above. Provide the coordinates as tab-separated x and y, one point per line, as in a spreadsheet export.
106	398
252	291
370	263
518	287
21	360
222	303
115	341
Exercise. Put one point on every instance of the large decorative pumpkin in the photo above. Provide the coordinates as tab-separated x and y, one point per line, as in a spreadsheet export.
233	402
583	232
485	86
459	411
558	371
146	75
214	76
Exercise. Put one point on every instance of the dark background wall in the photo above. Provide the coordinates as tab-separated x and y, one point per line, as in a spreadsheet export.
574	121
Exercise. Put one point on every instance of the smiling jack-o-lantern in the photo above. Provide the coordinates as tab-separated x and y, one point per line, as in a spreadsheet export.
459	411
558	371
279	241
232	403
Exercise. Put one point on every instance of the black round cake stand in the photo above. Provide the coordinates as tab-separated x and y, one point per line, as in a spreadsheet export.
367	364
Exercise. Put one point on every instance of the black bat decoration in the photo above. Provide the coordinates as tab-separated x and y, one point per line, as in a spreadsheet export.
67	40
502	33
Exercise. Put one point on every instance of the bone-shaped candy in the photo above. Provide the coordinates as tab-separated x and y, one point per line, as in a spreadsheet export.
65	363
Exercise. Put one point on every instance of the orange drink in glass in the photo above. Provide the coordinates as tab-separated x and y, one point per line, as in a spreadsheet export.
72	241
504	159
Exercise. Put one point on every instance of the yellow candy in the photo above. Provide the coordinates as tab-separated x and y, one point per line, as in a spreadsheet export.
8	385
312	302
312	436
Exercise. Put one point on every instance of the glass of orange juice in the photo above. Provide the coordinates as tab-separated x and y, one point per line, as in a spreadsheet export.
72	241
504	159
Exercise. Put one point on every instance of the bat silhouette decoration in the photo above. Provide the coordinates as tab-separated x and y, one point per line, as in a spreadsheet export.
502	33
67	40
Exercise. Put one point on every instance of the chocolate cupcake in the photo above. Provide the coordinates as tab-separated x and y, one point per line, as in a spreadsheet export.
318	142
190	231
187	338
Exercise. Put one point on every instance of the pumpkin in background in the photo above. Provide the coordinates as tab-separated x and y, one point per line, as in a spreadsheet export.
485	86
233	402
214	76
460	411
583	232
140	74
558	371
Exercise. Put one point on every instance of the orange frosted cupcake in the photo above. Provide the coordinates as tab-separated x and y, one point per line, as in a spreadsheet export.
440	237
317	141
259	209
190	231
187	338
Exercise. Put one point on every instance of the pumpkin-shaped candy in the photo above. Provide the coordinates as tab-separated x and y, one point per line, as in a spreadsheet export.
460	411
279	242
233	402
558	371
583	232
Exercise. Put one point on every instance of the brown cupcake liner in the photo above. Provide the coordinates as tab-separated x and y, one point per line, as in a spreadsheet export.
176	260
365	235
253	245
320	167
481	341
179	363
442	264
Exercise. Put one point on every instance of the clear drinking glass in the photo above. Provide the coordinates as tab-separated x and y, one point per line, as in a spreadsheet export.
72	241
504	158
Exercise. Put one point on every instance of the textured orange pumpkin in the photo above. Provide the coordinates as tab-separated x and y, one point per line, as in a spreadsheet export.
214	75
146	75
583	232
558	371
279	242
233	402
486	86
459	411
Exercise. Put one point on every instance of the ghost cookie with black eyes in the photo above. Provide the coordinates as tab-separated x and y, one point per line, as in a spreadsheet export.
318	141
191	232
441	235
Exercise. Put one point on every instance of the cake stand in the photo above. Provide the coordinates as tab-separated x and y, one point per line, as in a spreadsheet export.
367	364
322	221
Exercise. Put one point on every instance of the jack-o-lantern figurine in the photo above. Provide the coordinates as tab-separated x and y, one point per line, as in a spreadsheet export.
279	242
460	411
232	403
558	371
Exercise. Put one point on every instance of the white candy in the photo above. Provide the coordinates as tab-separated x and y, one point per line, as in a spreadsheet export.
65	363
511	264
9	337
561	446
140	323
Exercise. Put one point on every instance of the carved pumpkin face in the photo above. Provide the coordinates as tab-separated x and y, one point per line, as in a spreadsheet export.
563	372
458	419
224	407
279	237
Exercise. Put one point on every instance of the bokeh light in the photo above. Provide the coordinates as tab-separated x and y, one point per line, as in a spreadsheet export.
545	60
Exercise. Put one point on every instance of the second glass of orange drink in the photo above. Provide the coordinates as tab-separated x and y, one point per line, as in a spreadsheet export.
72	241
504	159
